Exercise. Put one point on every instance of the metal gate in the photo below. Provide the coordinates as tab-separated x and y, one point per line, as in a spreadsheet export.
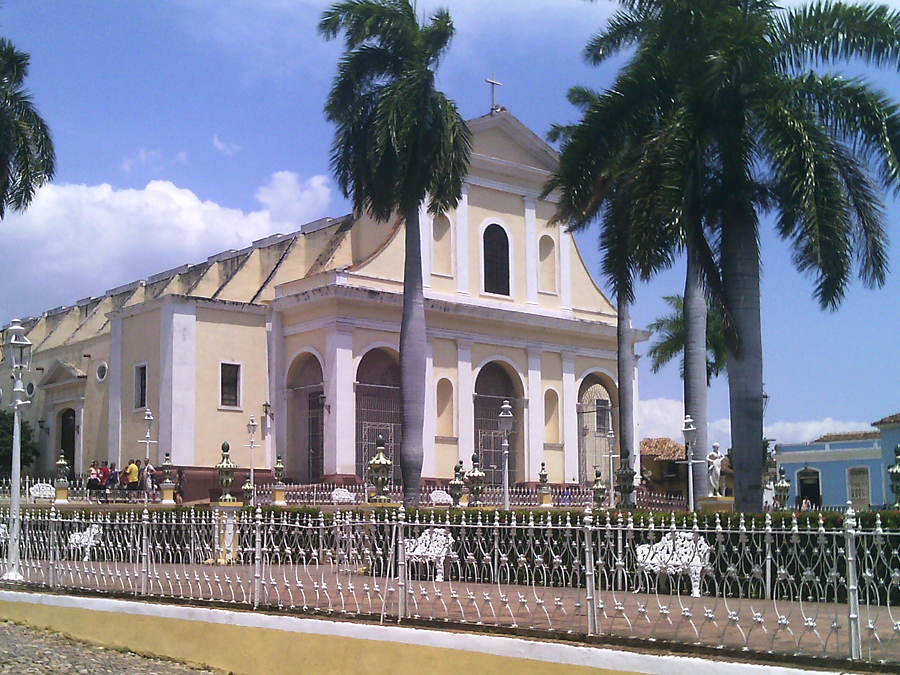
306	459
596	449
378	412
489	440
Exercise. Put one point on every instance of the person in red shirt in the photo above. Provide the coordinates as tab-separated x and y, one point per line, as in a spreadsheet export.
104	474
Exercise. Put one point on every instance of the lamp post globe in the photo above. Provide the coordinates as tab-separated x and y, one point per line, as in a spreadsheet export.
250	487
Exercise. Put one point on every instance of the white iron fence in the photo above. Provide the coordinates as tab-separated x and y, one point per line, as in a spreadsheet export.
800	588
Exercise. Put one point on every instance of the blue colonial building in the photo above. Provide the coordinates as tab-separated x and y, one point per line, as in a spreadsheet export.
890	439
837	468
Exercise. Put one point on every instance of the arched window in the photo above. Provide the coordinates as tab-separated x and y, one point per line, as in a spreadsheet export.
445	408
547	265
442	246
496	260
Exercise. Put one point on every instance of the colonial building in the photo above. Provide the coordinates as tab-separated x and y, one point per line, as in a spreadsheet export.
302	330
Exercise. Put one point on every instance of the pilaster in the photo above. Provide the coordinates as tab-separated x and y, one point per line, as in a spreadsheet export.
466	400
570	417
340	411
535	415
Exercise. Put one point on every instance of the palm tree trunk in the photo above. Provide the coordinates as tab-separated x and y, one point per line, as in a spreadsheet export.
740	279
412	362
696	380
626	382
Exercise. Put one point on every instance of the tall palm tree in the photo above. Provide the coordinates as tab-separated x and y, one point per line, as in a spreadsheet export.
399	141
27	158
763	132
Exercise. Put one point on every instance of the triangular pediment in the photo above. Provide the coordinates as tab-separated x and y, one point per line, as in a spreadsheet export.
500	136
60	373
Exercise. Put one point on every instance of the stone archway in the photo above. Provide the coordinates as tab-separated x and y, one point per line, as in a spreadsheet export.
304	458
595	408
378	409
493	385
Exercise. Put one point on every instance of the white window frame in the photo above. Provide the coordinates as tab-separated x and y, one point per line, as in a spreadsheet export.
146	368
240	386
511	258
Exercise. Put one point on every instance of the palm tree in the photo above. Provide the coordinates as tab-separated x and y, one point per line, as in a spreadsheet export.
670	330
27	159
398	142
756	130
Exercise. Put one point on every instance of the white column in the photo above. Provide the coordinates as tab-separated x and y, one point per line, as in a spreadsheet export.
565	269
531	251
114	433
429	462
570	416
79	439
465	402
462	247
425	239
177	383
274	359
535	414
279	393
340	399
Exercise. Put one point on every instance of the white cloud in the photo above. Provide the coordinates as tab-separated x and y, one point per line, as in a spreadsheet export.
81	240
664	418
804	432
289	200
227	149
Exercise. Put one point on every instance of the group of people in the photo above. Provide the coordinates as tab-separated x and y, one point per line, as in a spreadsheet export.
134	478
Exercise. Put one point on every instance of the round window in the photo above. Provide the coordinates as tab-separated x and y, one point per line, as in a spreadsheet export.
30	388
102	371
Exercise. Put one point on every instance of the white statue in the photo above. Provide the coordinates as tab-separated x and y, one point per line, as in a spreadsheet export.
714	464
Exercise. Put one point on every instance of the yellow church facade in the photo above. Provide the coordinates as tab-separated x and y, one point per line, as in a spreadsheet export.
302	331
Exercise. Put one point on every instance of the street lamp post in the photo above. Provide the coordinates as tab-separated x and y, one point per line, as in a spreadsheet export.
148	480
690	438
611	454
506	426
18	351
251	429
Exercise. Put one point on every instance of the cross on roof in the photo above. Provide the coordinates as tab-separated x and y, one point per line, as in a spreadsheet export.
492	80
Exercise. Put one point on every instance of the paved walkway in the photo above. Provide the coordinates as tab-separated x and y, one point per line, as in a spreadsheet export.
27	651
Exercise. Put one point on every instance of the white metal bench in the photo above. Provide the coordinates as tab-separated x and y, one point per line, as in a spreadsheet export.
86	540
432	546
342	496
440	498
675	553
42	491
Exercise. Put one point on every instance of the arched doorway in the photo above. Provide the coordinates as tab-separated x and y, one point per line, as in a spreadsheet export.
304	461
378	409
596	446
67	436
493	386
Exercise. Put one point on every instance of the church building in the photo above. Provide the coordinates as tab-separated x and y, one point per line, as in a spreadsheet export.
302	331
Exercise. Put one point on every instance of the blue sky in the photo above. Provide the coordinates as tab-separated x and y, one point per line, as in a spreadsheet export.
187	127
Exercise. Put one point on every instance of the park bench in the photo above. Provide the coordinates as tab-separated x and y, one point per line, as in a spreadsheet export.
42	491
675	553
342	496
86	540
440	498
432	546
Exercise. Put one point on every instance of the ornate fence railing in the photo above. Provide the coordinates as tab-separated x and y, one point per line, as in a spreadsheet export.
794	588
